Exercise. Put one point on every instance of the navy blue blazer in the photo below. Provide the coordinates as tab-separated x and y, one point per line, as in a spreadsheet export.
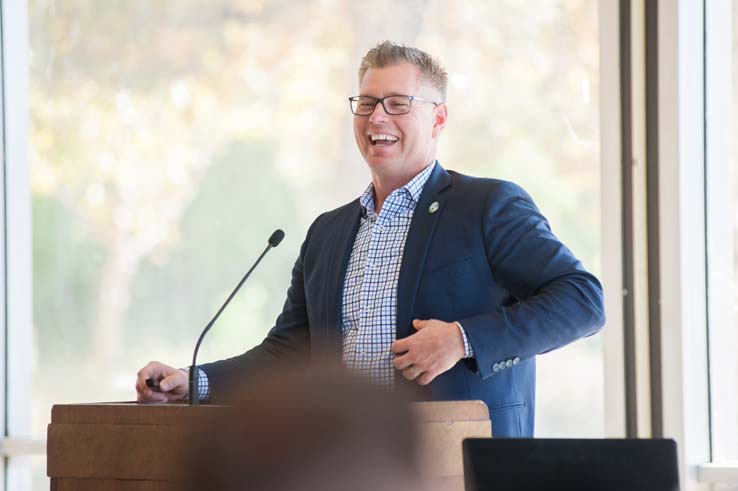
487	258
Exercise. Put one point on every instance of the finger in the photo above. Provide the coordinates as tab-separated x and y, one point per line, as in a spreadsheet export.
140	389
411	373
145	390
151	397
426	378
400	346
401	362
152	369
142	375
419	324
158	398
174	396
155	370
170	383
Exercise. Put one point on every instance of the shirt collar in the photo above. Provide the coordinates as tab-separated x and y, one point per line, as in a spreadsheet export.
414	187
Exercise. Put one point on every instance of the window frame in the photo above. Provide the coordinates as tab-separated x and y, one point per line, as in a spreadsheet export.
16	265
611	209
682	233
721	467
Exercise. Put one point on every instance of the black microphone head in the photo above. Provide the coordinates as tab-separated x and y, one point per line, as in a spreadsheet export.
276	237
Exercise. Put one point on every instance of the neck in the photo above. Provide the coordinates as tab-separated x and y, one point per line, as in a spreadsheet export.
384	185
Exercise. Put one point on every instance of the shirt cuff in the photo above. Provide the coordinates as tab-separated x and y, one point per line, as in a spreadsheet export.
203	383
468	350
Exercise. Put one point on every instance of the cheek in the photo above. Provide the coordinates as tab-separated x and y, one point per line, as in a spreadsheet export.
357	134
358	129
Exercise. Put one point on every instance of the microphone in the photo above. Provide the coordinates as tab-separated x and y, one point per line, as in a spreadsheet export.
194	393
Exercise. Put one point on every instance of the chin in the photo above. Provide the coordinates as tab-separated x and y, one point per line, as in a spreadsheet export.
380	163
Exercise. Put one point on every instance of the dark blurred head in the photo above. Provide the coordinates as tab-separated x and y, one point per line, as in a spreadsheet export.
314	429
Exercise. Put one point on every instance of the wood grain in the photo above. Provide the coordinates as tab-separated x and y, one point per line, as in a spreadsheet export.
132	447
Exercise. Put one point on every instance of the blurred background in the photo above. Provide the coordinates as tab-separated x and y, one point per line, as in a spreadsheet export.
168	139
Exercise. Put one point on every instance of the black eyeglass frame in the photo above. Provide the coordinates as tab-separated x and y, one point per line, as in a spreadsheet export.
381	100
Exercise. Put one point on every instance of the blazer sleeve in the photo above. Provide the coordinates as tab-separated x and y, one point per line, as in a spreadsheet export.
558	301
288	342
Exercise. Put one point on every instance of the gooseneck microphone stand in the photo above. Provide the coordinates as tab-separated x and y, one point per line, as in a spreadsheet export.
194	389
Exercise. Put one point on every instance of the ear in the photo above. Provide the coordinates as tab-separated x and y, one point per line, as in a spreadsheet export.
441	115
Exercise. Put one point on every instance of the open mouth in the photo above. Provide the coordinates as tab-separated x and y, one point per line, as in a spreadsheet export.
382	140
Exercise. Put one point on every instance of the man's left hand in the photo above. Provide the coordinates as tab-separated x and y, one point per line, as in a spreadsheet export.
434	349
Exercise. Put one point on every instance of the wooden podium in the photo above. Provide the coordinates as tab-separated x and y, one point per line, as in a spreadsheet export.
132	447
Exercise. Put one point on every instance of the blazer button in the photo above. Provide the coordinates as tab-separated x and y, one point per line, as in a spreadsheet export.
509	363
516	360
496	367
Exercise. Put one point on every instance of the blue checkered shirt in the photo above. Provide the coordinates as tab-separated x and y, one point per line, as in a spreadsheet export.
369	309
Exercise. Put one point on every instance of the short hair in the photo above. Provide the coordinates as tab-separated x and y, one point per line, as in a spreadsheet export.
388	53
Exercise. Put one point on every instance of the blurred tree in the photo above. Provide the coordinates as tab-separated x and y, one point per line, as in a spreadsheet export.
222	231
168	139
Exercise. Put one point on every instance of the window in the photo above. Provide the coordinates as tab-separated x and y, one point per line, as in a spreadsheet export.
169	139
722	226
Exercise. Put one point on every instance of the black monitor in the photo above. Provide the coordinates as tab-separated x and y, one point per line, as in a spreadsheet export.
571	464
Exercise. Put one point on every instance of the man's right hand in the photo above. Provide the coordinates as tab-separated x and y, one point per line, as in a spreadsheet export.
173	384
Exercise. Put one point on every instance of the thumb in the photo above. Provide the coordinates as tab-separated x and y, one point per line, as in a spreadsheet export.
168	383
419	324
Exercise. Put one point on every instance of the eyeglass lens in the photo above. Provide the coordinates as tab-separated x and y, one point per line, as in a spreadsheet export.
396	104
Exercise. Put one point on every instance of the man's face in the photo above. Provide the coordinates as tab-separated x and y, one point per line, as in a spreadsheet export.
412	137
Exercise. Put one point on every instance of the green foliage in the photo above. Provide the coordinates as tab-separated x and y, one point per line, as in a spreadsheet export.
66	269
169	138
240	201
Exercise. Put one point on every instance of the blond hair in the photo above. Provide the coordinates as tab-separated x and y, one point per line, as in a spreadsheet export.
388	53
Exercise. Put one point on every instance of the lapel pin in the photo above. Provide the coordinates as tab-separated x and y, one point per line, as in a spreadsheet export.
433	207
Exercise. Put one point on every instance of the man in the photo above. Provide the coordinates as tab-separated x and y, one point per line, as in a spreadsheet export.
452	282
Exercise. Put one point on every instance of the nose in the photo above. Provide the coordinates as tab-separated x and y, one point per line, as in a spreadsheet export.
379	115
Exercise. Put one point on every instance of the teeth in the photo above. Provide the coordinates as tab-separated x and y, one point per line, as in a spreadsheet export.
382	136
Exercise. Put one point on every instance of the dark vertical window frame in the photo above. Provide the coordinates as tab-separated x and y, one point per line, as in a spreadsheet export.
652	216
626	111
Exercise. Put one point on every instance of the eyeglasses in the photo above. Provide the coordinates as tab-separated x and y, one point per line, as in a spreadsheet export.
364	105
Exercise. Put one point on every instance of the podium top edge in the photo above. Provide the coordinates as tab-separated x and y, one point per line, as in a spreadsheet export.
127	413
175	414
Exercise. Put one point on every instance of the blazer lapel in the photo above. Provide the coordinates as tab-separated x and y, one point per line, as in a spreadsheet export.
418	240
338	259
